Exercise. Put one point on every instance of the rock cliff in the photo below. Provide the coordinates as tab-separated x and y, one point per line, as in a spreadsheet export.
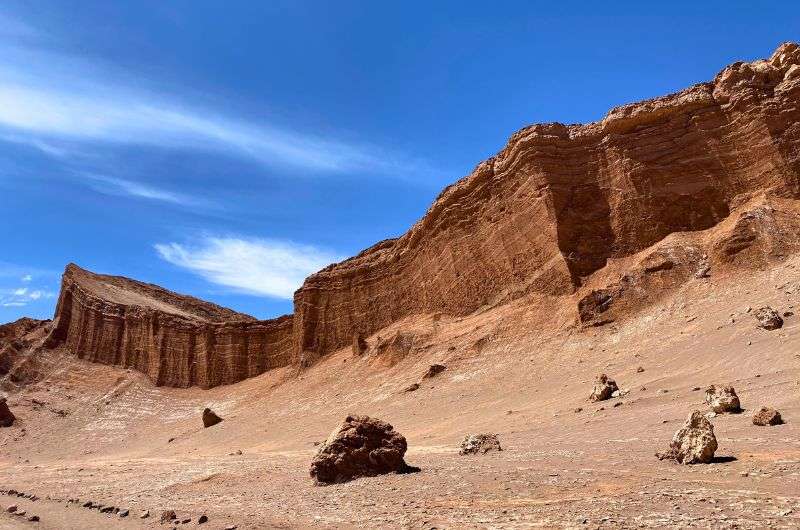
559	201
176	340
545	215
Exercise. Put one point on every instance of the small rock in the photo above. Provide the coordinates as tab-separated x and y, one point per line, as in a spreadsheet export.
124	513
768	318
11	509
6	417
722	399
639	370
411	388
767	416
434	370
145	514
187	520
479	443
202	519
167	516
577	410
603	388
210	418
33	518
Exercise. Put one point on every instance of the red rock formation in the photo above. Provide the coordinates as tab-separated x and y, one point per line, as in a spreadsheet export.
176	340
560	200
544	216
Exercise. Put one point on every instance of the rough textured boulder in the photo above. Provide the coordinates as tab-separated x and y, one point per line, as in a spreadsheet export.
210	418
767	416
360	447
479	444
6	416
603	389
694	443
768	318
722	399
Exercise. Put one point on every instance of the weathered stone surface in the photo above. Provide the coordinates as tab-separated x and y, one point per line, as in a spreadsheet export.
210	418
694	443
360	345
603	389
767	416
7	418
768	318
479	444
360	447
176	340
722	399
434	370
559	201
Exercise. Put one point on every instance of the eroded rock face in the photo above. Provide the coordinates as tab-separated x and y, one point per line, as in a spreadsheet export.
479	444
210	418
6	417
360	447
723	399
176	340
603	389
559	201
694	443
434	370
767	416
768	318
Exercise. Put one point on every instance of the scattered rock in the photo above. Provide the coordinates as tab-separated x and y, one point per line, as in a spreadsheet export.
33	518
359	344
12	508
578	409
722	399
124	513
145	514
639	370
360	447
187	520
603	388
434	370
694	443
479	444
411	388
768	318
202	519
210	418
167	516
767	416
6	417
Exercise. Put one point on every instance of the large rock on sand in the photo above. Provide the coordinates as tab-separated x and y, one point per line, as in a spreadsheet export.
480	444
694	443
768	318
210	418
360	447
604	388
722	399
767	416
6	417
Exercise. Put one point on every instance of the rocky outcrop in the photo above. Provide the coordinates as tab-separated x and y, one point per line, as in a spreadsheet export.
694	443
176	340
723	399
559	201
360	447
767	416
473	444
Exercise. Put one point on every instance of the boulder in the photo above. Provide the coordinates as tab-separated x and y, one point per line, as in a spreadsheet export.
768	318
360	345
767	416
210	418
479	444
359	447
723	398
694	443
6	417
434	370
603	389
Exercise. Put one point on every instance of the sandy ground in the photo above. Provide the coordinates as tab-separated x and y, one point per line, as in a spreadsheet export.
102	434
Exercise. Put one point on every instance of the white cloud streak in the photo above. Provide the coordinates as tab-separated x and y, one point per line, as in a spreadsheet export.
117	186
22	296
253	266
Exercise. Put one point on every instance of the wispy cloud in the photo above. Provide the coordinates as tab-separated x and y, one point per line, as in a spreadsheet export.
253	266
48	99
117	186
22	296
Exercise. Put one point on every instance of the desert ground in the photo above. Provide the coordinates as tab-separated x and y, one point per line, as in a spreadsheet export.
524	370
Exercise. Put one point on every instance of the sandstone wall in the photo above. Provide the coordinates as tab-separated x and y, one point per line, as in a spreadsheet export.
558	201
175	345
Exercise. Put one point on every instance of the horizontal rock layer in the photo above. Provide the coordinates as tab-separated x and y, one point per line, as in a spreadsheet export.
543	216
176	340
559	201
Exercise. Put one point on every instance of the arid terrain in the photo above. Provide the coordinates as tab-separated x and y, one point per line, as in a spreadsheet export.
641	246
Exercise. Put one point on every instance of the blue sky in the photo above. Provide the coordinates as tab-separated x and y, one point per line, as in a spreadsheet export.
228	149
